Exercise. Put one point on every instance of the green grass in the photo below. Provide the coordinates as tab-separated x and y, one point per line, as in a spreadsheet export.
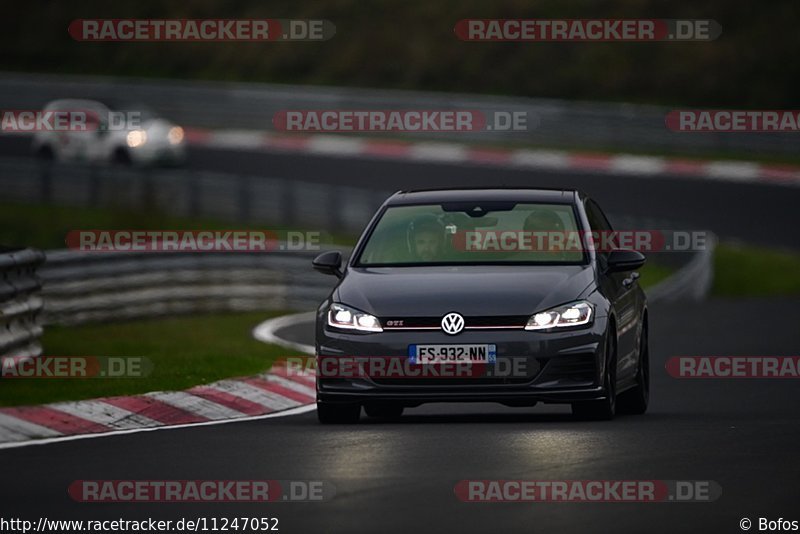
653	273
184	351
743	270
46	227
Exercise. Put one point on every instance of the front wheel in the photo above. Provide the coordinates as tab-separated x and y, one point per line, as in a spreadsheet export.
45	154
121	157
604	409
635	401
337	413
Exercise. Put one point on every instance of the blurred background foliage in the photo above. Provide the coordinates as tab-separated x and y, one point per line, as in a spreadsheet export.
410	44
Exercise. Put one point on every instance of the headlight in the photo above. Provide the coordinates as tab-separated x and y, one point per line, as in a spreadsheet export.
175	135
575	314
136	138
341	316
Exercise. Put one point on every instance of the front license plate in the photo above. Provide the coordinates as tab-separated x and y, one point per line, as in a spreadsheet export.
426	354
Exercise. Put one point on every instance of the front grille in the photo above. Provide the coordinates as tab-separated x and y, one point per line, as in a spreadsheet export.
429	323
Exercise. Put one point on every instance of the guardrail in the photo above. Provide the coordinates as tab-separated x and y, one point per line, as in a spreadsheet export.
692	281
82	287
194	194
551	123
20	302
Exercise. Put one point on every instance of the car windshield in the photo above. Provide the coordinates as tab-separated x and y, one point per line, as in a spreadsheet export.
134	111
474	233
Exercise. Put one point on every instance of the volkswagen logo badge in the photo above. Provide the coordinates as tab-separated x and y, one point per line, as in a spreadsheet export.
452	323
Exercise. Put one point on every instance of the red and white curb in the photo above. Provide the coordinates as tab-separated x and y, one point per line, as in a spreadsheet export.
441	152
275	393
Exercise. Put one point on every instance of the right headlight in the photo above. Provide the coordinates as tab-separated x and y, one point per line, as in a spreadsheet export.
341	316
574	314
175	135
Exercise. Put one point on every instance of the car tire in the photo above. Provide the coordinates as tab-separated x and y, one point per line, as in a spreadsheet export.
337	413
604	409
45	154
384	411
634	401
121	157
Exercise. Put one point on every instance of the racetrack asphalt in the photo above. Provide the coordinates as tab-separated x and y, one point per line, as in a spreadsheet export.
400	476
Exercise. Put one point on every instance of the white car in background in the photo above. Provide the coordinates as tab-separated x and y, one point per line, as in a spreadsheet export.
124	135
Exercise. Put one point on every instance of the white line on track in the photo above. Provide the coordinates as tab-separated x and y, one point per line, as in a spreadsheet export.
267	331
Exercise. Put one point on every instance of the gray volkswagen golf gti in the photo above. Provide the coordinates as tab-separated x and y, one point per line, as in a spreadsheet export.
496	295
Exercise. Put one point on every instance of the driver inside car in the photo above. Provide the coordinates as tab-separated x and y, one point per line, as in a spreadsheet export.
426	238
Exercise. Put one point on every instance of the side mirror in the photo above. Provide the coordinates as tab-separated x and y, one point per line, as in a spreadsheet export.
329	263
624	260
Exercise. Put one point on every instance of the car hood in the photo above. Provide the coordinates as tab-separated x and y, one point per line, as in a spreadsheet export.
469	290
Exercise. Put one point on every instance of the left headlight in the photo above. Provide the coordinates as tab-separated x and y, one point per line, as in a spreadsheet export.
341	316
574	314
136	138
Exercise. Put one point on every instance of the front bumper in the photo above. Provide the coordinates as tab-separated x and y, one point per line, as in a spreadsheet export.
553	367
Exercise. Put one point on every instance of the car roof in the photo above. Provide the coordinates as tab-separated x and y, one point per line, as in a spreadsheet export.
423	196
74	103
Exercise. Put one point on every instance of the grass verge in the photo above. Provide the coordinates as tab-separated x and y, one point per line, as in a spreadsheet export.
184	352
746	271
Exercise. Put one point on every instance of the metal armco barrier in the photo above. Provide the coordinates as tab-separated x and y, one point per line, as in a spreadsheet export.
194	194
82	287
692	281
20	302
